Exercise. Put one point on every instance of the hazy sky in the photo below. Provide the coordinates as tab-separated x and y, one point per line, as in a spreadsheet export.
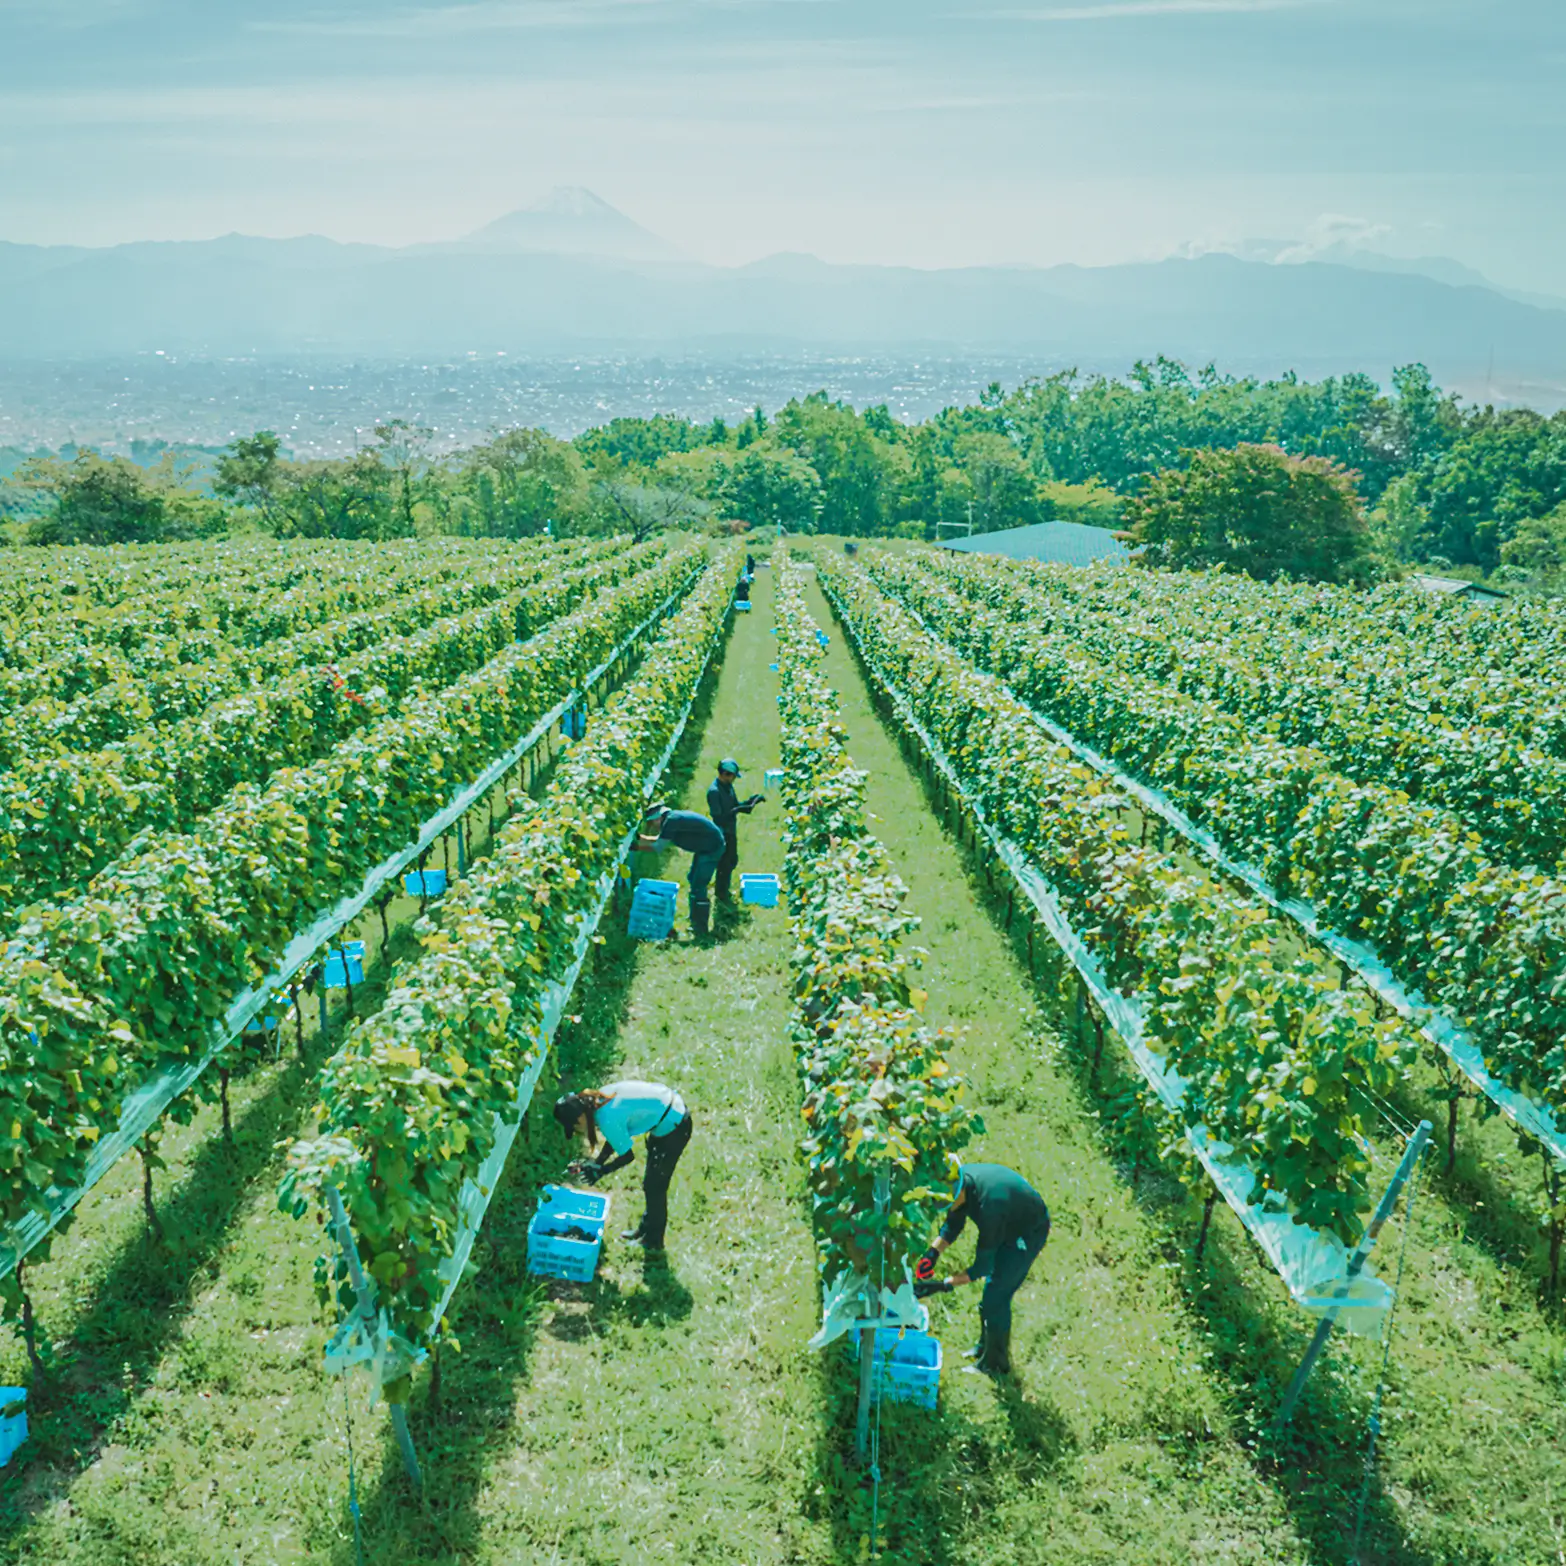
923	131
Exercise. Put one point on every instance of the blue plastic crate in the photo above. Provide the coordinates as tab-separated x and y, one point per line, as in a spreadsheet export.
653	906
772	778
574	724
762	890
13	1421
773	667
907	1367
345	967
550	1254
591	1208
742	605
425	883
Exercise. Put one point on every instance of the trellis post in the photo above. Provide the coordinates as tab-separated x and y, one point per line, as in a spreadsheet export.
1416	1146
366	1301
868	1335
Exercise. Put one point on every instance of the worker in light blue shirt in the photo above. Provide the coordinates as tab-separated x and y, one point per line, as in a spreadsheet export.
617	1114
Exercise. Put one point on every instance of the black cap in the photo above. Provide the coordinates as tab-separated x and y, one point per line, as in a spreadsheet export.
569	1108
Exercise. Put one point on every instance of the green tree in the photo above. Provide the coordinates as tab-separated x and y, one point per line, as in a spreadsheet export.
1503	469
771	486
519	483
404	451
344	497
97	500
1258	510
847	457
1401	521
1538	547
249	471
639	443
998	481
643	509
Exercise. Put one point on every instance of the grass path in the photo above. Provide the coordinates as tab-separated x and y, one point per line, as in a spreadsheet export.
1114	1445
669	1411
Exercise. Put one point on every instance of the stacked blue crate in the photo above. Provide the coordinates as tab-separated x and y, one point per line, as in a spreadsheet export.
555	1247
425	883
574	724
345	965
907	1365
653	905
762	890
13	1421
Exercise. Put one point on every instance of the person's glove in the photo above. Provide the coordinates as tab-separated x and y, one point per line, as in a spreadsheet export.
756	799
928	1286
585	1170
924	1268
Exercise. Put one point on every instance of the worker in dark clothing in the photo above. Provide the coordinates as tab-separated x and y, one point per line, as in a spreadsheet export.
726	807
742	590
701	839
1013	1224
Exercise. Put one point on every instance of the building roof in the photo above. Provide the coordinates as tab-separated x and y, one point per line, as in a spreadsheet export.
1456	587
1060	543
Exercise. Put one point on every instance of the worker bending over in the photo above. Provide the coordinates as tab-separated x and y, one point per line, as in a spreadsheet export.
702	839
1013	1224
619	1113
726	807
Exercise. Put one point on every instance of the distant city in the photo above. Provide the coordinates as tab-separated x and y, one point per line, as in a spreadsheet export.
324	409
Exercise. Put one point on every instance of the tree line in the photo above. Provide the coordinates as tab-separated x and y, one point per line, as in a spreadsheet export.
1191	464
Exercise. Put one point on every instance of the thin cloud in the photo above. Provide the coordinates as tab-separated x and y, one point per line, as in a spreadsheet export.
1114	10
486	16
493	16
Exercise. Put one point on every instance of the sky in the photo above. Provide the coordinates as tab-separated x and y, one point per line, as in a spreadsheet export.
917	132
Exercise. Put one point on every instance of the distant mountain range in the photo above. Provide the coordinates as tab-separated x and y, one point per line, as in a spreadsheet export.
572	274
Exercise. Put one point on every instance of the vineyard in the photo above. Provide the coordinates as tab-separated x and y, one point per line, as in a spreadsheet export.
1231	915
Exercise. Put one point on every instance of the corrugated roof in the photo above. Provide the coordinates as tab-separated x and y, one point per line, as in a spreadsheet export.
1061	543
1456	586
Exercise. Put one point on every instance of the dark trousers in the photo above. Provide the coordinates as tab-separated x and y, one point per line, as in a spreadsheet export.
1012	1263
729	862
663	1153
700	878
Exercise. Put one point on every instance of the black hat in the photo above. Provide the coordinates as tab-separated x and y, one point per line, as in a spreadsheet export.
569	1108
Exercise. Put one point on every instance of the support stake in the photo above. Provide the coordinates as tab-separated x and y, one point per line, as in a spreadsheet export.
867	1337
1207	1218
1356	1264
366	1301
866	1381
153	1222
29	1324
